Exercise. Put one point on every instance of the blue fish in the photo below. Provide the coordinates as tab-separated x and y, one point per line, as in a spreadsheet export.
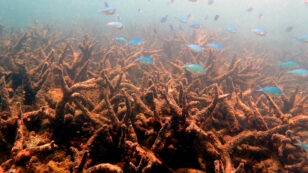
155	30
108	10
288	64
304	145
214	45
118	18
195	68
184	19
144	59
271	90
259	31
195	47
120	39
210	2
135	41
300	72
195	25
216	17
164	19
303	38
232	29
289	29
115	25
171	27
261	16
249	9
181	27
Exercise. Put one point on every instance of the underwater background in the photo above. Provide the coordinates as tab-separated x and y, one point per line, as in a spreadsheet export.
277	16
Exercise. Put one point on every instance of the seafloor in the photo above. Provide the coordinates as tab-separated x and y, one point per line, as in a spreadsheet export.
74	103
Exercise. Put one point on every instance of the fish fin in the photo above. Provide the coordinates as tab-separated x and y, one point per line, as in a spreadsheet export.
299	144
106	4
261	88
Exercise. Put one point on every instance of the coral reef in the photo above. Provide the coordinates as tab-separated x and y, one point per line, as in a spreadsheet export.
95	109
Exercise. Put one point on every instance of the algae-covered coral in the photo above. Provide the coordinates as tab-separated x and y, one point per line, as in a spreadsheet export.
73	104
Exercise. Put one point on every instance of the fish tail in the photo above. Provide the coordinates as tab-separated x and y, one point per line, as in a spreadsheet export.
261	89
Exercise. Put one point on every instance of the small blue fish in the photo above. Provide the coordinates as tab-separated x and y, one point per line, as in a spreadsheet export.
171	27
216	17
214	45
195	25
144	59
271	90
289	29
210	2
303	38
232	29
288	64
184	19
261	16
118	18
115	25
181	27
195	68
300	72
120	39
164	19
135	41
249	9
259	31
195	47
108	10
155	30
301	144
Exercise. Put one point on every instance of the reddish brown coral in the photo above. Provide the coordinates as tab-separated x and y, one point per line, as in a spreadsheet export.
108	113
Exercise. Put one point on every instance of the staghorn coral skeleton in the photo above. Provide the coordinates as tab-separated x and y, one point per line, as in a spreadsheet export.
108	113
